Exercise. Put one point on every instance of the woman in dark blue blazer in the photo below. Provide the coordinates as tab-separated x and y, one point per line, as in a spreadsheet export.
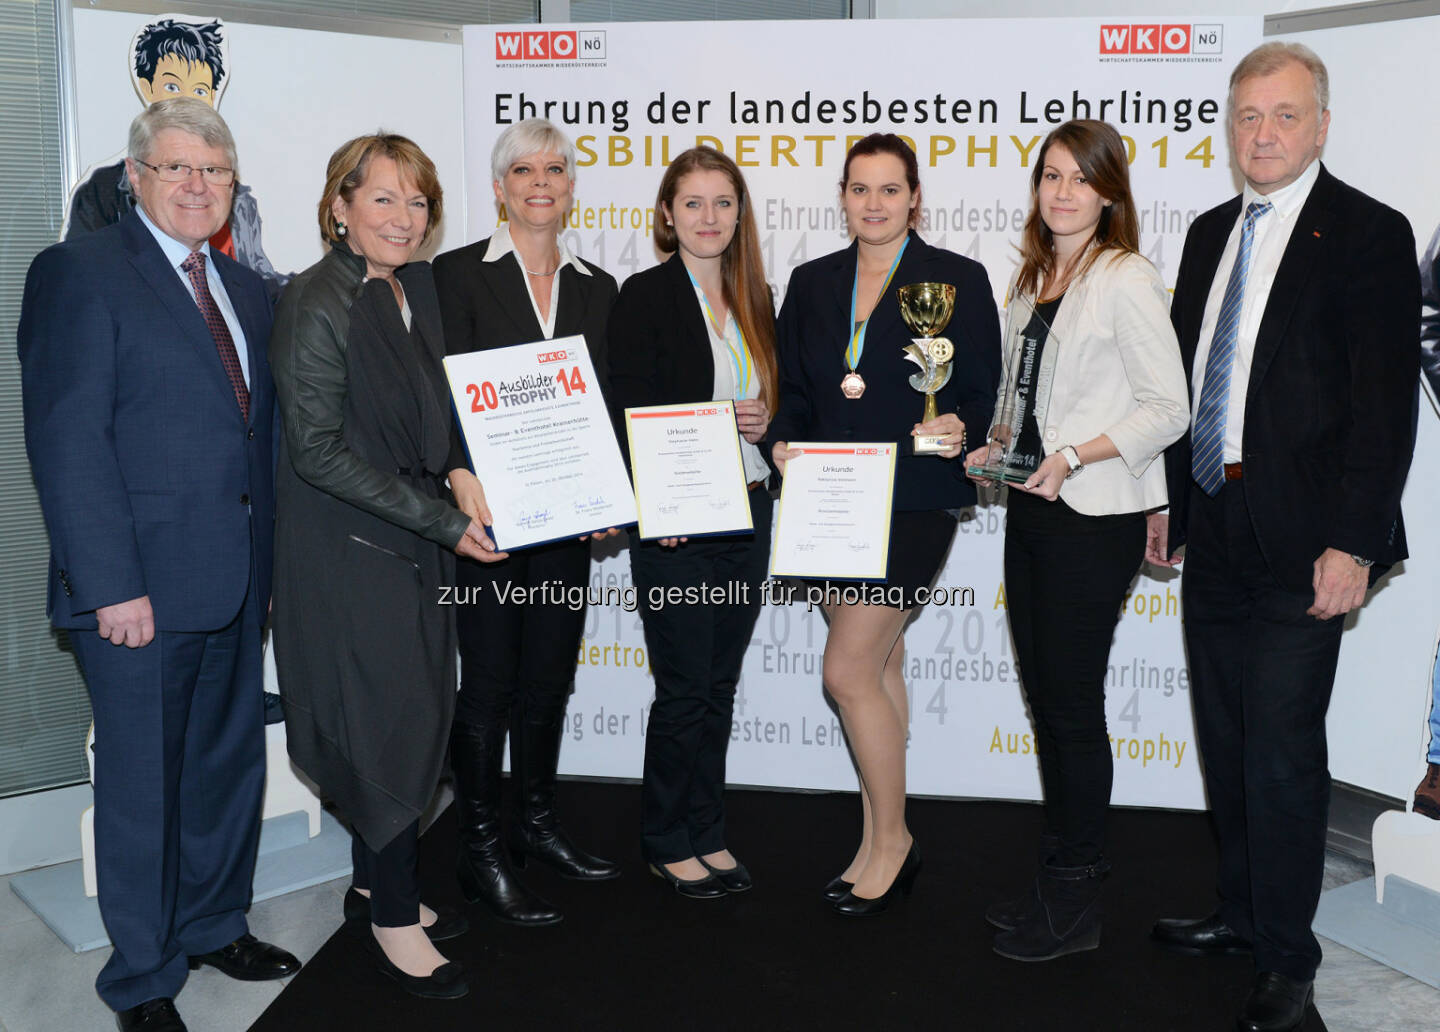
844	377
699	327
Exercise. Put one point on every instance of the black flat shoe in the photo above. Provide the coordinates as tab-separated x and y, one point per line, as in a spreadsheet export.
1275	1004
1198	937
249	960
836	889
158	1015
446	982
708	887
731	879
449	923
852	905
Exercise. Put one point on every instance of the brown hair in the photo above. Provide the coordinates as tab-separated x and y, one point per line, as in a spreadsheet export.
1100	153
886	143
742	268
350	162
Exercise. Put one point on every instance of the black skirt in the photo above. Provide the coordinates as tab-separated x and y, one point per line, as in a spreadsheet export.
919	542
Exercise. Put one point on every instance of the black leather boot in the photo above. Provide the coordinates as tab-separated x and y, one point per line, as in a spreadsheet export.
1008	913
482	867
1068	917
537	832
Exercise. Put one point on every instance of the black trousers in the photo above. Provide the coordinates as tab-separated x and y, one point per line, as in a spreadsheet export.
1261	672
696	651
1065	577
520	652
391	876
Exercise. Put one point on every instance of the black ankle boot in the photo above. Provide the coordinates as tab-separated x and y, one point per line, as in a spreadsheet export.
1068	916
1008	913
537	832
482	867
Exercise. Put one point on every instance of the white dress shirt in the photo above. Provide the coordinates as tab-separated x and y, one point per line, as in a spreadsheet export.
501	245
1272	236
727	384
176	253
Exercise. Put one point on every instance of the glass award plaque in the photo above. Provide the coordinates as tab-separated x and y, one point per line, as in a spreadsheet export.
1015	446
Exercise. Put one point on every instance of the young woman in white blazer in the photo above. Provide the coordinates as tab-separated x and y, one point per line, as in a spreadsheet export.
1089	318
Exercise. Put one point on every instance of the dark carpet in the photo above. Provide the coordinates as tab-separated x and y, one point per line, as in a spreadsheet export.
633	955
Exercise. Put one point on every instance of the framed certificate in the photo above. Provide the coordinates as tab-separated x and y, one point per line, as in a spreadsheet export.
540	440
689	476
834	516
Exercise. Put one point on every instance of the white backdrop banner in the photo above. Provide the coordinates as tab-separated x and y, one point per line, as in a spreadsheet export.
785	100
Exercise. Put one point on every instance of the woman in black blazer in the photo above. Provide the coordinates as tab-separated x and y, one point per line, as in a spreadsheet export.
844	377
699	327
517	663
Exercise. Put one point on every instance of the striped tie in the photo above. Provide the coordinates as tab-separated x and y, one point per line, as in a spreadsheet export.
194	267
1207	440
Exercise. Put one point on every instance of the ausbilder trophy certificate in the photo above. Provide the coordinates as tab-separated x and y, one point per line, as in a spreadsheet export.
540	440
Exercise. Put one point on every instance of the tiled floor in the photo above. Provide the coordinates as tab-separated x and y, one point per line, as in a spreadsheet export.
46	988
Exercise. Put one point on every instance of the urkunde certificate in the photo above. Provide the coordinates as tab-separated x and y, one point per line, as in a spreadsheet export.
540	440
689	477
834	517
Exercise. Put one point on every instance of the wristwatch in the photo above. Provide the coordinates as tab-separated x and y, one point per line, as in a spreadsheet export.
1072	458
1360	561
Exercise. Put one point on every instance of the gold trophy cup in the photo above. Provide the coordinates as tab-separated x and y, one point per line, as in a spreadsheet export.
926	309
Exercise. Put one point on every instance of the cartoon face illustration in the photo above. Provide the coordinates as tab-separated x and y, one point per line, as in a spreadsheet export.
175	57
176	77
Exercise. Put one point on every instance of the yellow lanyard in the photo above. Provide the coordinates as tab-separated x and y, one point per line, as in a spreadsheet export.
739	359
857	342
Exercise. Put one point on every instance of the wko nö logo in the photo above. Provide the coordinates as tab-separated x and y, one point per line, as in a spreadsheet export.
562	45
1161	39
553	356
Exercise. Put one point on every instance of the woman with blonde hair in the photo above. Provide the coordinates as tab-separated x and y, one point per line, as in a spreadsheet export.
365	537
517	663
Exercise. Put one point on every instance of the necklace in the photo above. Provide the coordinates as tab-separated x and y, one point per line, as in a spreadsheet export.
532	272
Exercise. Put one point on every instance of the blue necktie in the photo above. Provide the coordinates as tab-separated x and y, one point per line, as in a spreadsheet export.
1207	441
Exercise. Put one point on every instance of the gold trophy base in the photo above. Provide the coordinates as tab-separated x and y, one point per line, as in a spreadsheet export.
929	444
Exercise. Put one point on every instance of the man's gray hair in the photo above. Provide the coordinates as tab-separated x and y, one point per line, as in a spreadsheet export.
532	136
189	116
1269	58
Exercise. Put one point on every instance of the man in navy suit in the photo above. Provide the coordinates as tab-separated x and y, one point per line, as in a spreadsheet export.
149	421
1297	307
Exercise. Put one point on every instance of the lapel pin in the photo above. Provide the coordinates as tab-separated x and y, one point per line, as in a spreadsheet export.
1317	233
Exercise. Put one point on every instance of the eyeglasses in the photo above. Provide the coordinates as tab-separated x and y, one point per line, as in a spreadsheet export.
176	173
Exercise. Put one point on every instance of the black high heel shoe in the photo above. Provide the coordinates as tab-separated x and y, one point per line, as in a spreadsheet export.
708	887
449	922
836	889
446	982
860	906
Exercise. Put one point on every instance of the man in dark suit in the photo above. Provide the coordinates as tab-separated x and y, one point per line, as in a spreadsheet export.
149	421
1297	308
